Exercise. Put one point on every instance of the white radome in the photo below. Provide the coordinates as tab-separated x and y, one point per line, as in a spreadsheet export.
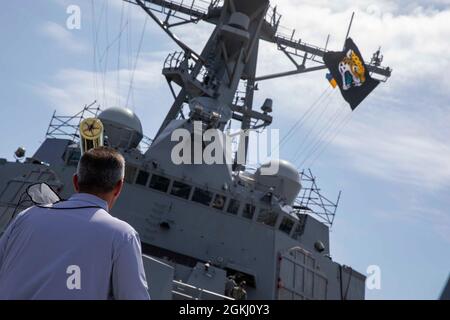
123	128
285	182
123	117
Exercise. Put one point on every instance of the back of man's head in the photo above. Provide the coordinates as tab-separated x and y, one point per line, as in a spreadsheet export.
100	170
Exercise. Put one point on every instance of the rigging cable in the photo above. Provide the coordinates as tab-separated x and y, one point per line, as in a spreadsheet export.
129	46
94	50
110	44
339	129
97	32
118	37
316	122
308	114
130	89
324	132
119	51
107	51
299	123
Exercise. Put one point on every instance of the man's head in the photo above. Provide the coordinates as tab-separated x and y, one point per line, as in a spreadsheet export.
101	172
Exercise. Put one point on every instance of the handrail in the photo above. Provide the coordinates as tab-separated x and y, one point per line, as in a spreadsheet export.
197	293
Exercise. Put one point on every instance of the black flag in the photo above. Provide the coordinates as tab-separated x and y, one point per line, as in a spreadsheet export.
351	74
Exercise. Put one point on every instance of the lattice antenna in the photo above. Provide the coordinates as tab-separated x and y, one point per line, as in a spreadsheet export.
68	126
311	200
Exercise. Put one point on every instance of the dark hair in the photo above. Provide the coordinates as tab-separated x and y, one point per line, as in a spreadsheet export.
100	169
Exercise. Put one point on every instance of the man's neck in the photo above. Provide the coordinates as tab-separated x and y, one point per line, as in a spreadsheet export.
104	196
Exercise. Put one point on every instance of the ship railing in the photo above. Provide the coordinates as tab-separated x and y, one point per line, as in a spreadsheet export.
174	60
287	40
186	63
287	35
178	8
181	60
184	291
273	17
216	3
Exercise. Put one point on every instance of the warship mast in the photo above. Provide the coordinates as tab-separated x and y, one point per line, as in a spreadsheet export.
231	56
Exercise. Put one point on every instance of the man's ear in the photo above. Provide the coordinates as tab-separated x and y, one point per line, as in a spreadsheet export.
118	188
75	183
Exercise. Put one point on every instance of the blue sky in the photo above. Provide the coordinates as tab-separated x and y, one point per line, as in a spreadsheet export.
392	159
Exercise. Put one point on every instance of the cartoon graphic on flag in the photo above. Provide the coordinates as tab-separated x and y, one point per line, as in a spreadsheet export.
348	70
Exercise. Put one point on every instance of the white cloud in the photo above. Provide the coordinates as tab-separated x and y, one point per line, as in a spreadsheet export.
438	219
415	212
63	37
72	87
401	131
399	149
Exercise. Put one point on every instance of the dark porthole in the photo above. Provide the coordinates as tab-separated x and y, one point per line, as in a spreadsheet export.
249	211
286	225
159	183
181	189
233	206
142	178
202	196
267	216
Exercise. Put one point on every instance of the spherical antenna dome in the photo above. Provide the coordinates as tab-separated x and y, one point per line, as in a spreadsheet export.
281	177
123	128
280	168
123	117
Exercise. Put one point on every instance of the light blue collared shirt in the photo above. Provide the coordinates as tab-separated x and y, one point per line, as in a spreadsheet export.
71	253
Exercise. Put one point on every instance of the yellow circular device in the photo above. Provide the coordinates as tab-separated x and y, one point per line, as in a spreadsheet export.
91	128
91	132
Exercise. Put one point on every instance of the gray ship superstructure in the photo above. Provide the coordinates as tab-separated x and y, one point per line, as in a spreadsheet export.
199	223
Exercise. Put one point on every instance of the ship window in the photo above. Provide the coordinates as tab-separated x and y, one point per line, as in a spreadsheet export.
249	211
233	206
298	231
74	157
142	178
286	225
181	190
202	196
159	183
219	202
130	173
267	216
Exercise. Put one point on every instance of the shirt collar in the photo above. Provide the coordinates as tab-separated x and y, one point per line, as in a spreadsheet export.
89	198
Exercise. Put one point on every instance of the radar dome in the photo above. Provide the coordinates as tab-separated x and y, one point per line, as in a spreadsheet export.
281	177
123	129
